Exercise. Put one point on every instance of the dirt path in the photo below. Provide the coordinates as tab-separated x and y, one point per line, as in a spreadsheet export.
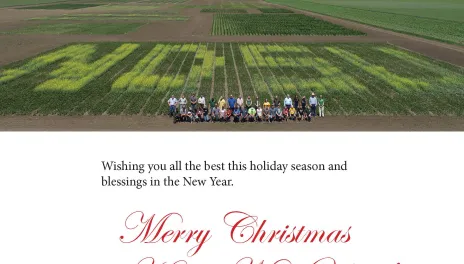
159	123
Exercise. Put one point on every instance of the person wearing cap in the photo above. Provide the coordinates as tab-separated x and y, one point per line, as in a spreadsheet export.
202	101
231	102
288	102
189	117
321	106
313	104
172	103
240	102
257	104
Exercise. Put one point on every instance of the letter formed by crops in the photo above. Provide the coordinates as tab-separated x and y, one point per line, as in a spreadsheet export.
259	84
75	52
75	74
207	71
195	71
398	82
449	77
268	76
141	77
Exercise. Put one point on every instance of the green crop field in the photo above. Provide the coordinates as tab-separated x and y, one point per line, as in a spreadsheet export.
91	17
61	6
274	10
435	19
98	29
275	24
137	78
6	3
223	10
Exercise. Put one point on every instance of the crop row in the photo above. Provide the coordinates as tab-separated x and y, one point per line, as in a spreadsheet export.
275	24
115	78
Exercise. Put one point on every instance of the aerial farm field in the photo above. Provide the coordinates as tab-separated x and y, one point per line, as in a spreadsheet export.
435	19
98	61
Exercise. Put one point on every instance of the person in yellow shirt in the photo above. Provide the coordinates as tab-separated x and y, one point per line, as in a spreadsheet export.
266	104
292	113
222	102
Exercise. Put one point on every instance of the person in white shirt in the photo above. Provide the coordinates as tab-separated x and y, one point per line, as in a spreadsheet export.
172	102
202	101
240	102
313	104
288	102
259	114
183	101
222	114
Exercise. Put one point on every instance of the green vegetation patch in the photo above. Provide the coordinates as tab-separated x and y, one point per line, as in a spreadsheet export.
275	24
439	20
275	10
138	78
102	29
224	10
62	6
91	17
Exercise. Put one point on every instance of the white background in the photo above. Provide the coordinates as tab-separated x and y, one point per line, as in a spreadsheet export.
402	194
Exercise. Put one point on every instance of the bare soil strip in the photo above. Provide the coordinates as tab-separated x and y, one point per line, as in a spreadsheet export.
160	123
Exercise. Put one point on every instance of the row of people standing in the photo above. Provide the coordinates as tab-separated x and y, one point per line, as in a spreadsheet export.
246	104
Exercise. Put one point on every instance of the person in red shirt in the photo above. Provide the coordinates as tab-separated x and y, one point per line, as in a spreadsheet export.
285	114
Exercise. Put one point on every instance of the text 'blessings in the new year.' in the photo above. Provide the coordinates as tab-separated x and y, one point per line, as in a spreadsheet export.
222	166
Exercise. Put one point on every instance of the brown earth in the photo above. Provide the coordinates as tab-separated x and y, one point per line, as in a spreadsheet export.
197	29
162	123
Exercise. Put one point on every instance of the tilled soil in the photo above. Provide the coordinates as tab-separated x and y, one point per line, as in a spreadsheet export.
163	123
197	29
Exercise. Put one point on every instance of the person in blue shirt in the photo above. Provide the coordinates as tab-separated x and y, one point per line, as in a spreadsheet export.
231	102
237	113
244	114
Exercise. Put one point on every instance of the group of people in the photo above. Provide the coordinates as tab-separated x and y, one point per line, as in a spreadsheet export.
248	110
